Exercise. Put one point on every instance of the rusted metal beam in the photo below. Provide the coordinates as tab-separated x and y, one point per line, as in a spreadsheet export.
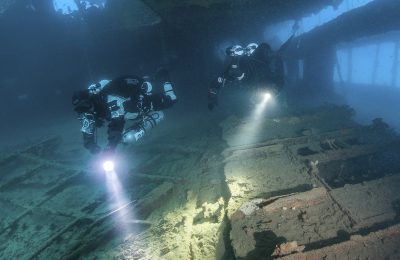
28	174
344	154
96	233
49	194
294	140
156	178
376	245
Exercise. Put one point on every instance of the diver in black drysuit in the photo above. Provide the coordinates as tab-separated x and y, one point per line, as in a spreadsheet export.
126	98
257	67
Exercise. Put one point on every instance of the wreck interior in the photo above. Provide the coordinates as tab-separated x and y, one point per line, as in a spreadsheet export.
315	176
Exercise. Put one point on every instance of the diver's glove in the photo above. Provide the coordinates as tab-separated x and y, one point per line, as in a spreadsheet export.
212	100
90	143
93	148
210	106
109	150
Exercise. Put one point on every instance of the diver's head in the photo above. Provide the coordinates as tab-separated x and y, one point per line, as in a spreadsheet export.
264	49
250	48
96	88
146	87
234	51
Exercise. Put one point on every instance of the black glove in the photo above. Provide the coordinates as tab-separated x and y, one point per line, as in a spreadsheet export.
94	149
210	106
212	100
90	144
109	151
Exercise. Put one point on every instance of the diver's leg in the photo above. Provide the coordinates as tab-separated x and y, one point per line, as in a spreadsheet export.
149	122
88	130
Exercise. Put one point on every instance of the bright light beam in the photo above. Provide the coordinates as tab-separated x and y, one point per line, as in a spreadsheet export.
117	197
260	107
108	166
249	131
267	96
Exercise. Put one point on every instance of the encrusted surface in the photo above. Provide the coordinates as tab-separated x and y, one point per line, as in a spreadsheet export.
198	199
274	210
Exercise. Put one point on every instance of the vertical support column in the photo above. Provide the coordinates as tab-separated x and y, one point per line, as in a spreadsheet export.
350	66
376	64
338	69
341	80
318	70
292	76
395	63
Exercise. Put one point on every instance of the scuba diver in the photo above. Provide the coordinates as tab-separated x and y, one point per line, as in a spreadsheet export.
257	67
126	98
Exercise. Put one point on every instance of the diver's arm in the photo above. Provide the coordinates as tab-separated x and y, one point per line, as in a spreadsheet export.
88	132
232	73
84	108
214	90
163	100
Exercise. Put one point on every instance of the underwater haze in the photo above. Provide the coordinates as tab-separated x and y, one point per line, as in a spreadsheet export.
199	129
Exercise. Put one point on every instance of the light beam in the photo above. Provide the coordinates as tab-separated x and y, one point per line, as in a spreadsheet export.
108	166
248	132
